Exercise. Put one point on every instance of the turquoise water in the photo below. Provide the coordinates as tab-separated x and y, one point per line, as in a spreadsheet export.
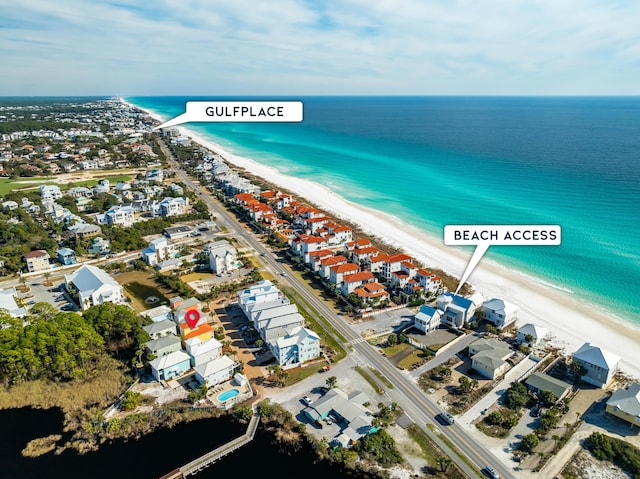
469	160
225	396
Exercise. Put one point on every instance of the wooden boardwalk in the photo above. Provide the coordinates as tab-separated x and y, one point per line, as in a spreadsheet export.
209	458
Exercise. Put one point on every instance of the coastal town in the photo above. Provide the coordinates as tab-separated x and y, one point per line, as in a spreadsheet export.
222	292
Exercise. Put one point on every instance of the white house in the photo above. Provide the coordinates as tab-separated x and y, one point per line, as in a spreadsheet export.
600	365
222	257
161	328
427	319
170	365
489	357
260	316
158	250
277	327
297	347
215	372
8	302
456	310
530	334
92	286
122	215
625	404
499	312
262	292
173	206
203	351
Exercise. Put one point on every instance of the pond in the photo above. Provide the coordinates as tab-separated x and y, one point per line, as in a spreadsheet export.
153	455
146	294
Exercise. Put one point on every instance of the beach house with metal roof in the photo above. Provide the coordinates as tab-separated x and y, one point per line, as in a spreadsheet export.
427	318
625	404
541	382
531	334
500	313
164	345
90	286
161	328
215	372
170	366
600	365
297	347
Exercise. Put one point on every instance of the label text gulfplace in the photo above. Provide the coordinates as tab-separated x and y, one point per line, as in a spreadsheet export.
242	111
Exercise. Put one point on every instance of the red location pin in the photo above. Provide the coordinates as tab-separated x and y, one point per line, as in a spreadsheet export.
192	317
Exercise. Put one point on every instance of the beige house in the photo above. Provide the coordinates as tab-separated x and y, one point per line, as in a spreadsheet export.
37	260
489	357
625	404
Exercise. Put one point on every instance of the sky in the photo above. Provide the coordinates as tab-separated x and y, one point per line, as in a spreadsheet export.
309	47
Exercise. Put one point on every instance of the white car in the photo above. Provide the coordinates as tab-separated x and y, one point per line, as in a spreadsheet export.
307	400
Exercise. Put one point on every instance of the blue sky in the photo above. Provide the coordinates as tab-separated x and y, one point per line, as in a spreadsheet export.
308	47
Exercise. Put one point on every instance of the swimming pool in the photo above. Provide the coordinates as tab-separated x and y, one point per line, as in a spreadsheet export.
225	396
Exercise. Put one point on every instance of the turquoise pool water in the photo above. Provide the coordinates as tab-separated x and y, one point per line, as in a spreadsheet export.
225	396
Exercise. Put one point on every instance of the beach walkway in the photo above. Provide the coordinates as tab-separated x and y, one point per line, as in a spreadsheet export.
209	458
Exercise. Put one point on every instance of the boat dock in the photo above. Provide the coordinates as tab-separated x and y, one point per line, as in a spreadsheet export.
209	458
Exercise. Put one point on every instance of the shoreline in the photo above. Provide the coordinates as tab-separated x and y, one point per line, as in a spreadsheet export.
570	320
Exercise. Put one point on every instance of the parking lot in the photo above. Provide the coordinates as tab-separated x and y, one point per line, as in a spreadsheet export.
53	294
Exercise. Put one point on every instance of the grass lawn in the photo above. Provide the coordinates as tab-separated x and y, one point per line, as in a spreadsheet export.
430	452
187	278
139	285
413	360
298	374
369	379
7	185
393	350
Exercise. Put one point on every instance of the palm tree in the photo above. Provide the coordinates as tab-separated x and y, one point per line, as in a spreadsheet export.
443	462
331	382
47	275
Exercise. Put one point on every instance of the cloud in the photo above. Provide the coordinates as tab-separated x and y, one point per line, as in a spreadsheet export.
239	47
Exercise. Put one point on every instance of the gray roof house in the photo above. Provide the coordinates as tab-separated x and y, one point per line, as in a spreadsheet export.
164	345
625	404
540	382
354	418
600	365
160	328
488	357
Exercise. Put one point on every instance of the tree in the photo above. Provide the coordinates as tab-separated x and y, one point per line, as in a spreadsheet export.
331	382
577	370
516	396
548	398
495	418
528	443
130	400
465	384
443	462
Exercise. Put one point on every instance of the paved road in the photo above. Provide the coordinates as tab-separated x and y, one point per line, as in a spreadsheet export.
405	393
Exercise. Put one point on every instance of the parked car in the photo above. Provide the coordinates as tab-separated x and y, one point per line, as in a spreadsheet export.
307	400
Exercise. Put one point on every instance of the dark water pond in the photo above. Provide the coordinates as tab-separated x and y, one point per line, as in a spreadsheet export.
153	455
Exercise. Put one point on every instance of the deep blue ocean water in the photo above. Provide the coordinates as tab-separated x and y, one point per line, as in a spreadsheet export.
432	161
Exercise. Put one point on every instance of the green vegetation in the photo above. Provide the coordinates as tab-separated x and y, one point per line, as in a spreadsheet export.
617	451
499	422
369	379
528	443
417	358
130	400
381	377
517	396
53	345
379	447
21	238
432	454
144	291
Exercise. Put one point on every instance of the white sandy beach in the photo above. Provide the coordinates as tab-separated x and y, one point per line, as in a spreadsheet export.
571	323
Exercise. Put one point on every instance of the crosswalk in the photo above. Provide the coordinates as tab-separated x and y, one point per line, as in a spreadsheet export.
357	341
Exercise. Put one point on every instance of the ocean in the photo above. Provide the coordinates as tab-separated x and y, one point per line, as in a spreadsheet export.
433	161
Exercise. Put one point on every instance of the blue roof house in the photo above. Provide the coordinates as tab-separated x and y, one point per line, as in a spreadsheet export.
67	256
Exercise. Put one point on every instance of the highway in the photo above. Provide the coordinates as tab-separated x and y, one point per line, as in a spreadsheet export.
415	403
